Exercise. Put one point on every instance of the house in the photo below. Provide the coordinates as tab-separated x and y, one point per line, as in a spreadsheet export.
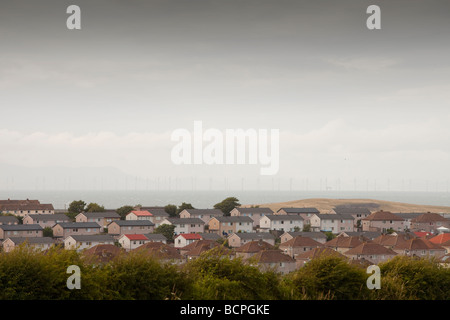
343	244
204	214
231	224
305	213
120	227
358	213
22	207
139	215
281	222
210	236
317	236
197	248
334	223
429	222
45	220
366	234
102	253
160	251
132	241
184	239
102	218
254	213
158	215
251	248
305	257
65	229
239	239
273	260
38	243
156	237
80	242
383	221
390	241
407	216
8	220
297	211
298	245
20	230
441	239
186	225
420	247
373	252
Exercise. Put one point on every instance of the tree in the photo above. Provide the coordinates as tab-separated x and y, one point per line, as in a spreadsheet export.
167	230
94	207
306	227
76	207
330	235
123	211
171	209
48	232
183	206
227	205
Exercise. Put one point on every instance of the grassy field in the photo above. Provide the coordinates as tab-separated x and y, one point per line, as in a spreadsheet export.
326	205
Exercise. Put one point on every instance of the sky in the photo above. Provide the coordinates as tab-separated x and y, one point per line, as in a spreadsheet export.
353	106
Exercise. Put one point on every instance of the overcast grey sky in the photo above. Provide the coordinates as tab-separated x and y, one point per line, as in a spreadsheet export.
350	103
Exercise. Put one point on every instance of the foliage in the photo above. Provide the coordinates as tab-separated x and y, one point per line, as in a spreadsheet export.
183	206
76	207
306	227
215	276
167	230
47	232
171	209
227	205
330	278
413	278
123	211
27	274
330	235
94	207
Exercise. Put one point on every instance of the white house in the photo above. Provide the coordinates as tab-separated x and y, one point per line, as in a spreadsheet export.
186	225
281	222
132	241
81	242
184	239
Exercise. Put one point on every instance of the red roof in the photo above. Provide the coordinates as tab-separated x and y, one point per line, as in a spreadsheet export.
142	213
440	239
191	236
421	234
136	237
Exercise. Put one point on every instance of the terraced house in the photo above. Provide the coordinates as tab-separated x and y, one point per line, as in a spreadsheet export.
226	226
22	207
281	223
65	229
383	221
20	230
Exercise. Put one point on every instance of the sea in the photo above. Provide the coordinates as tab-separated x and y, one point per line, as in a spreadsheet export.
112	199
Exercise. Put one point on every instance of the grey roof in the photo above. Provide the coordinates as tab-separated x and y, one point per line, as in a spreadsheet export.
158	212
19	240
66	225
212	212
234	219
185	221
92	237
300	210
307	234
280	217
336	216
352	210
125	223
254	235
104	214
20	227
8	219
49	217
155	236
255	210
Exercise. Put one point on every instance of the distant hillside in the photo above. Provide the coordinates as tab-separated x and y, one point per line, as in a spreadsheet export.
325	205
